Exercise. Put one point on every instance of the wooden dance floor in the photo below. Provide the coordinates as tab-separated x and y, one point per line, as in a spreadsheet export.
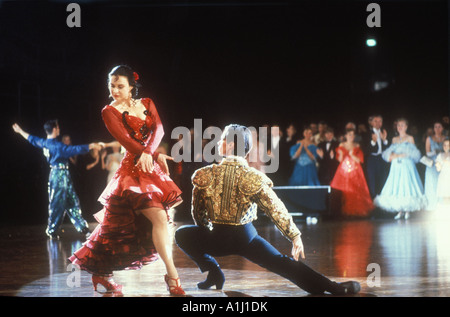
390	258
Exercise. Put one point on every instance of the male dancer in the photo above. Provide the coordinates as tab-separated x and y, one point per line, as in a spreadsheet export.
224	202
61	194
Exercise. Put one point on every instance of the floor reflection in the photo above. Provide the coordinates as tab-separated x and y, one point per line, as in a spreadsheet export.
413	256
59	251
352	248
413	248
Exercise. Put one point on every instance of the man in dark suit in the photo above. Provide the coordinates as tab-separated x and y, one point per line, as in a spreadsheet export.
327	157
286	166
374	144
224	204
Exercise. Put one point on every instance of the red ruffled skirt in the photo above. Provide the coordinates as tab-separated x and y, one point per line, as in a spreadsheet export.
123	238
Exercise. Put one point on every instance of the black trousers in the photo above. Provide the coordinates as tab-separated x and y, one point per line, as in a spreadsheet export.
377	172
201	245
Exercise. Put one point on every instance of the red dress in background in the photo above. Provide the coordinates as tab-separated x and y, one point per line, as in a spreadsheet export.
123	238
350	180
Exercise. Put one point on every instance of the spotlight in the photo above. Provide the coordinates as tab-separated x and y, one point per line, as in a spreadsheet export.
371	42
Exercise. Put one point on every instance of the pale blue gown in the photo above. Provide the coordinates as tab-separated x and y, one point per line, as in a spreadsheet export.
403	190
432	175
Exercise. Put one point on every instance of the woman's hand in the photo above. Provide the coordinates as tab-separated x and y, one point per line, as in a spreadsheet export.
96	146
146	163
396	156
162	161
319	152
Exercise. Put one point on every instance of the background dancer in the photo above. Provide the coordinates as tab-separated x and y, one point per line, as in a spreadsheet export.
61	193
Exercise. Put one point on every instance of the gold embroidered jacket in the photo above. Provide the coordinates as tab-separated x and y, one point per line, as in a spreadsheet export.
230	193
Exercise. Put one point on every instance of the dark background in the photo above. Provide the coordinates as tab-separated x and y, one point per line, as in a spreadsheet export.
251	63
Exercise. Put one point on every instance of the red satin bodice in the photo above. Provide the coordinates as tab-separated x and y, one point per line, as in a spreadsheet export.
138	136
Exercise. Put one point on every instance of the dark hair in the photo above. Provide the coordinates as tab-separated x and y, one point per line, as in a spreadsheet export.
306	127
240	135
126	71
50	125
350	130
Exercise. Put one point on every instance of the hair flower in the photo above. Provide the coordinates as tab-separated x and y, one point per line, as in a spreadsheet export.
136	76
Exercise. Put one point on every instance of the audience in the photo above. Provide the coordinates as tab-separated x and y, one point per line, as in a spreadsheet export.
314	159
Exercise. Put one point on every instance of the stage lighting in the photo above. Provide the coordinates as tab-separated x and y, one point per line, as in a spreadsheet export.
371	42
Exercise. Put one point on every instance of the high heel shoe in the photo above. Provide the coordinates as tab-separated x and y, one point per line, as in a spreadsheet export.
109	286
174	290
215	277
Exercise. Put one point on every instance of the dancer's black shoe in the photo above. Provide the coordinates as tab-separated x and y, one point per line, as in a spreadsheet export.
215	277
52	236
86	233
346	288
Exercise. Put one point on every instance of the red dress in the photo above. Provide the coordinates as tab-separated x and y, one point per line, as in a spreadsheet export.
123	238
350	180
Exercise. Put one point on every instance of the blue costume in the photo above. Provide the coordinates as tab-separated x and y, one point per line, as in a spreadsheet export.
61	194
403	190
305	170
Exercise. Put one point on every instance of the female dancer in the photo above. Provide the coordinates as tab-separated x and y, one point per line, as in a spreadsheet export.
403	190
133	223
433	146
349	178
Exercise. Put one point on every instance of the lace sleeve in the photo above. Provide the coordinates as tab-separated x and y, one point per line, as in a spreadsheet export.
156	127
413	152
113	122
387	153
